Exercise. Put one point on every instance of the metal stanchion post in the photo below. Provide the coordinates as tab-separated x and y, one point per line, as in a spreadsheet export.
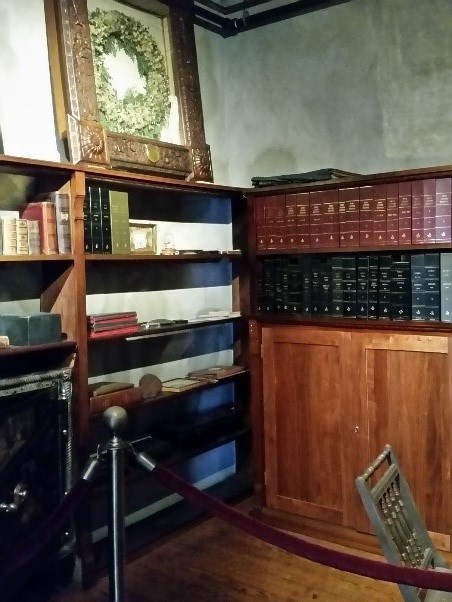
115	419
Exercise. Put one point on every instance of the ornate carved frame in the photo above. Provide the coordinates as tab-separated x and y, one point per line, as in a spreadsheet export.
88	141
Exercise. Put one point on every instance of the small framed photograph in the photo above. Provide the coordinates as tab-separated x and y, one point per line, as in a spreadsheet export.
143	237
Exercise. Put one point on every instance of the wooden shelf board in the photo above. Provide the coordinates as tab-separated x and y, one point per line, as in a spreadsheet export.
361	250
145	257
27	258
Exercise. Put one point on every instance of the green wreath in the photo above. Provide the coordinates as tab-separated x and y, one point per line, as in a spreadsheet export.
141	114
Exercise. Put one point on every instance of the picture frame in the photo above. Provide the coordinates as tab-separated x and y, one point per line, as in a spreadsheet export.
143	237
80	86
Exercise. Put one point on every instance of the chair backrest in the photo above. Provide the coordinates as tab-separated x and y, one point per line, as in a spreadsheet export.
395	519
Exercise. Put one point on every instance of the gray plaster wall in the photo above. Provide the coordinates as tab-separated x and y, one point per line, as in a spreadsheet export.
365	86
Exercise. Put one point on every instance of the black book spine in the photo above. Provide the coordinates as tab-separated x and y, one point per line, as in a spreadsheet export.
349	286
401	290
432	287
105	220
384	287
278	285
446	287
325	287
418	311
315	287
337	292
269	286
373	287
306	293
295	286
362	294
96	223
87	221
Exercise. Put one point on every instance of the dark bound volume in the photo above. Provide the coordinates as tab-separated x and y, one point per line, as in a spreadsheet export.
401	290
325	291
96	219
404	213
337	298
271	227
362	293
316	218
331	218
432	286
373	287
429	209
446	287
349	217
259	220
349	285
443	210
302	223
105	220
384	287
306	297
294	270
366	225
87	221
291	222
379	215
278	268
417	212
418	311
392	214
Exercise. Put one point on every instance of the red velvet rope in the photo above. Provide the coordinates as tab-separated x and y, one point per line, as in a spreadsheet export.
299	546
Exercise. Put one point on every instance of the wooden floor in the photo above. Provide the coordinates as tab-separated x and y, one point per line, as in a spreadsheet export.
215	562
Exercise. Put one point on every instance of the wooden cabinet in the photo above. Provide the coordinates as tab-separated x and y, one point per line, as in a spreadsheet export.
332	399
350	345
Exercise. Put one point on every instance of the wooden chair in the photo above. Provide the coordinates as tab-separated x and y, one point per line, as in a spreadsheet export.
397	524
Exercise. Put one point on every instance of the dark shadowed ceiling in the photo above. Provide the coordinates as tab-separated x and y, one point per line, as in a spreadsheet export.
230	17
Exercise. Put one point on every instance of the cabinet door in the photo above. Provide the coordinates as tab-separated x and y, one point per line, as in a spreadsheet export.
406	384
306	393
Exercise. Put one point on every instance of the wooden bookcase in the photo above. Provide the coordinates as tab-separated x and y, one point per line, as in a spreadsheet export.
158	286
329	391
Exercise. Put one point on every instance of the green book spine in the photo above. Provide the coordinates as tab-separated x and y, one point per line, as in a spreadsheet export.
119	216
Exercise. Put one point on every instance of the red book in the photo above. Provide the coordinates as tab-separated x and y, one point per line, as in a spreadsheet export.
429	206
44	212
366	226
271	228
331	218
404	213
351	218
291	222
280	216
259	220
379	214
443	187
302	225
341	211
315	218
417	212
392	214
111	317
115	332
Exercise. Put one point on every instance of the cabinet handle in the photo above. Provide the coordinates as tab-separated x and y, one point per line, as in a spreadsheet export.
20	494
356	430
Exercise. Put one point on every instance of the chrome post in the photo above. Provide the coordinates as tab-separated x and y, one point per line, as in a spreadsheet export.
115	418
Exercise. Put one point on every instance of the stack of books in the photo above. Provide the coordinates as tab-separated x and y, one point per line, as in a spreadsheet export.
119	323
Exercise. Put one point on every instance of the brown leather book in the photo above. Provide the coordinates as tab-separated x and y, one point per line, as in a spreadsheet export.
125	398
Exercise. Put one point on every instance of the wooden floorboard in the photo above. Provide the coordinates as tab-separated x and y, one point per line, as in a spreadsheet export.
215	562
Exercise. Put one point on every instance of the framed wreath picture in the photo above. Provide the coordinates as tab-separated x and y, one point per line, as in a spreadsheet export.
126	86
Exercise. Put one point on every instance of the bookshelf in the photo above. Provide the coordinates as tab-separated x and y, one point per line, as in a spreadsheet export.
203	217
329	390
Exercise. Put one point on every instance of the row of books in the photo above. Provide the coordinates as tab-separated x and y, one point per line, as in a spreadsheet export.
42	227
106	221
403	213
416	286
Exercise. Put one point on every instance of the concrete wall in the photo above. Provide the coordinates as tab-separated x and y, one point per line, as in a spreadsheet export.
364	86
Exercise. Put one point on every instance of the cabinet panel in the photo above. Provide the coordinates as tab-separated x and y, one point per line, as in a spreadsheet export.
405	380
303	405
